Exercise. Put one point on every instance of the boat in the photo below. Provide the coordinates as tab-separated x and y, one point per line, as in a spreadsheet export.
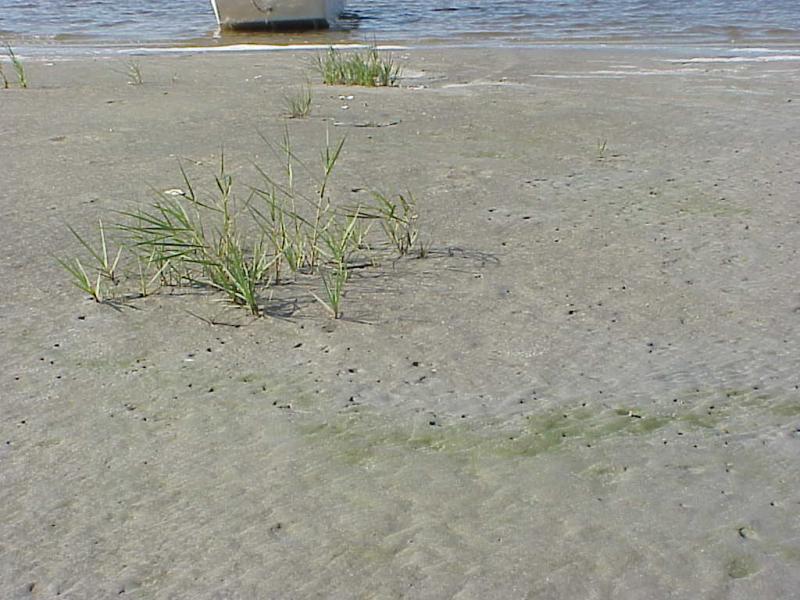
276	14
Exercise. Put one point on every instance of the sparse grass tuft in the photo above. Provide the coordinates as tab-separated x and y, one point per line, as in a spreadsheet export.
19	69
333	282
203	239
105	266
133	69
602	146
150	271
338	238
298	103
367	68
81	279
424	249
398	218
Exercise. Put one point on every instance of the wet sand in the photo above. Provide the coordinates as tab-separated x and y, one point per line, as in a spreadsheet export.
589	389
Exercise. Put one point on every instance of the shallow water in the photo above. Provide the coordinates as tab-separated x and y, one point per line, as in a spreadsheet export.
642	21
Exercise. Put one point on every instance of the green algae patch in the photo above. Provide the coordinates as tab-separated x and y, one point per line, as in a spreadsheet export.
713	408
358	438
790	554
626	425
635	421
789	409
741	566
365	435
649	425
709	206
699	421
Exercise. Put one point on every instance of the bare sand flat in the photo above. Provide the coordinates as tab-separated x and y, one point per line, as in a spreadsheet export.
589	389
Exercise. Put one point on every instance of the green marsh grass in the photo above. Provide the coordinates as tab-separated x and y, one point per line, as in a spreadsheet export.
3	77
296	220
242	240
104	264
398	218
133	70
333	282
602	148
298	103
203	239
150	270
81	279
366	68
19	68
424	249
338	239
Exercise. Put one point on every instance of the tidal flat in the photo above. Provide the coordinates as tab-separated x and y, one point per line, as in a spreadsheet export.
589	387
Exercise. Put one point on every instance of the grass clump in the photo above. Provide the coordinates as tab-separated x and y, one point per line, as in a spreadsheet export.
602	147
201	238
133	70
298	103
81	279
284	230
333	281
150	271
338	241
296	220
367	68
19	69
398	219
104	267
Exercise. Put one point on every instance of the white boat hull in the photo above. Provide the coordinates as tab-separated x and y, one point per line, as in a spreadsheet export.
273	14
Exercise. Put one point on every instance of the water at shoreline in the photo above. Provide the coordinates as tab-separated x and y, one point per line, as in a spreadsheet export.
103	23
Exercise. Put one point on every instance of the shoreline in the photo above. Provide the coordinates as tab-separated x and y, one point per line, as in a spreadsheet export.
52	49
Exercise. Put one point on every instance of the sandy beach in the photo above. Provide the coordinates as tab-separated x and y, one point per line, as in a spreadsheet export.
589	389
